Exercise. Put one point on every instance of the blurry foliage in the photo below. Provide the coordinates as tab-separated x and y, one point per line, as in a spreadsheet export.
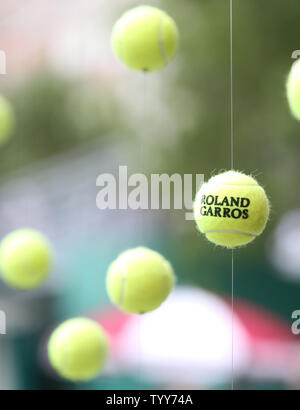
266	136
53	115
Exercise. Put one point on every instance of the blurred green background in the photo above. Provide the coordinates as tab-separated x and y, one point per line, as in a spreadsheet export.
79	113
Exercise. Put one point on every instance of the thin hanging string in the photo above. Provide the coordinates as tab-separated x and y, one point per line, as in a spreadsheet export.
141	164
231	85
232	318
232	165
143	141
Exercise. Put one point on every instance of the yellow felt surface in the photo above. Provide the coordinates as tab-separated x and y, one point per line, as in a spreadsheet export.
227	230
145	38
7	120
293	89
78	349
139	280
25	259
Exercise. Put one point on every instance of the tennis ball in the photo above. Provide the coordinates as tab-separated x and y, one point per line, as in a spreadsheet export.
145	38
25	259
78	349
6	120
139	280
293	89
231	209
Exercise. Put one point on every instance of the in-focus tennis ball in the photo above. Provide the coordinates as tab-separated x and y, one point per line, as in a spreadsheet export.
6	120
145	38
78	349
293	89
139	280
231	209
25	259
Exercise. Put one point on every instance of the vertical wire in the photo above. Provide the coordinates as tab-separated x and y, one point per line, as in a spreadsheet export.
141	161
232	318
143	139
231	84
232	165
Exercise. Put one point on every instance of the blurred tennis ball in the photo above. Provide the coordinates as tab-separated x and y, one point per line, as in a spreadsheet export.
145	38
293	89
25	259
7	120
139	280
78	349
231	209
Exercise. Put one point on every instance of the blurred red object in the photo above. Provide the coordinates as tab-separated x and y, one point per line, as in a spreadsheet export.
264	346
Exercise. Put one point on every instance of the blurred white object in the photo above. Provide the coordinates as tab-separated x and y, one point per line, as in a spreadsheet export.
188	341
284	250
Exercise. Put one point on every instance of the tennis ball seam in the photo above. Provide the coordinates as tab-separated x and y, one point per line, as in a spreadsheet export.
121	48
167	277
233	185
231	231
161	41
123	286
162	32
140	300
66	360
63	362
